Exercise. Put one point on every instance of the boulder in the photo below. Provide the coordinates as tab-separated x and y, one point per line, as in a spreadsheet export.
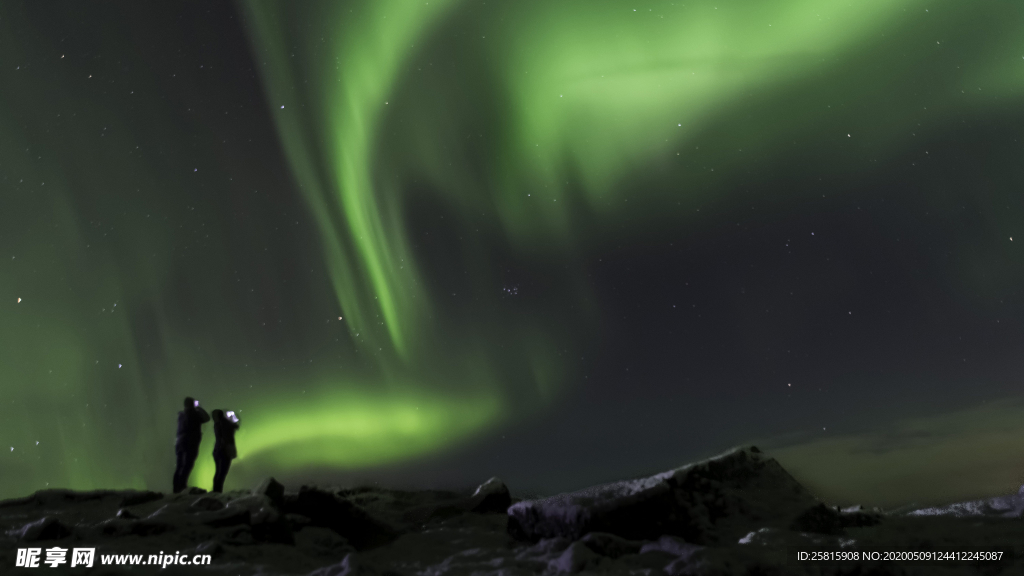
272	489
269	525
320	541
610	545
126	514
46	528
715	500
327	510
490	497
576	558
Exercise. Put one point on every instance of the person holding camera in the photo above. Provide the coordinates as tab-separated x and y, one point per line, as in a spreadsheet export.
186	444
224	451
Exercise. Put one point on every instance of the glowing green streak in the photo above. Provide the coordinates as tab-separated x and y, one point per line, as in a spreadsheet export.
368	256
357	430
606	98
599	90
370	54
350	429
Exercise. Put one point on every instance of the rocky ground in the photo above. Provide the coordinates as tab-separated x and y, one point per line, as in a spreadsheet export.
739	513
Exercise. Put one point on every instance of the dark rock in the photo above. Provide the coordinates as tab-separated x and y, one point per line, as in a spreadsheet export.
149	528
272	489
269	525
610	545
136	498
194	491
297	520
491	497
46	528
345	518
547	546
240	536
126	514
165	512
203	512
208	503
144	527
855	518
264	522
671	545
211	547
689	565
716	500
251	502
350	566
577	557
320	541
823	520
441	513
819	519
227	517
116	527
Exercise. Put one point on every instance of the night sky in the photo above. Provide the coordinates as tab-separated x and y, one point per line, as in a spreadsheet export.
561	242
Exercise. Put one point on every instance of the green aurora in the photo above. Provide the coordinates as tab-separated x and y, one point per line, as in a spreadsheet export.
544	133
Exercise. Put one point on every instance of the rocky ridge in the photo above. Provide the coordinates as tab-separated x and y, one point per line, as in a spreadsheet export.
737	513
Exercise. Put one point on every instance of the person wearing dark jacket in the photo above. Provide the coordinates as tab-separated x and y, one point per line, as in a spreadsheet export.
224	450
186	446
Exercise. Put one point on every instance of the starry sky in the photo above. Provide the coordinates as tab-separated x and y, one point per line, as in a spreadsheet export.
424	243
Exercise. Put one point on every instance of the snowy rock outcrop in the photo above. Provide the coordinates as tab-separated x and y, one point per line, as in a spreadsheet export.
719	499
1011	506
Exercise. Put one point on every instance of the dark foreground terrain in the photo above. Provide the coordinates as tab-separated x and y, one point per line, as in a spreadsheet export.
739	513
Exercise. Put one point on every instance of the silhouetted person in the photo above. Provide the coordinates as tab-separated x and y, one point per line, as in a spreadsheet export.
186	446
224	448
